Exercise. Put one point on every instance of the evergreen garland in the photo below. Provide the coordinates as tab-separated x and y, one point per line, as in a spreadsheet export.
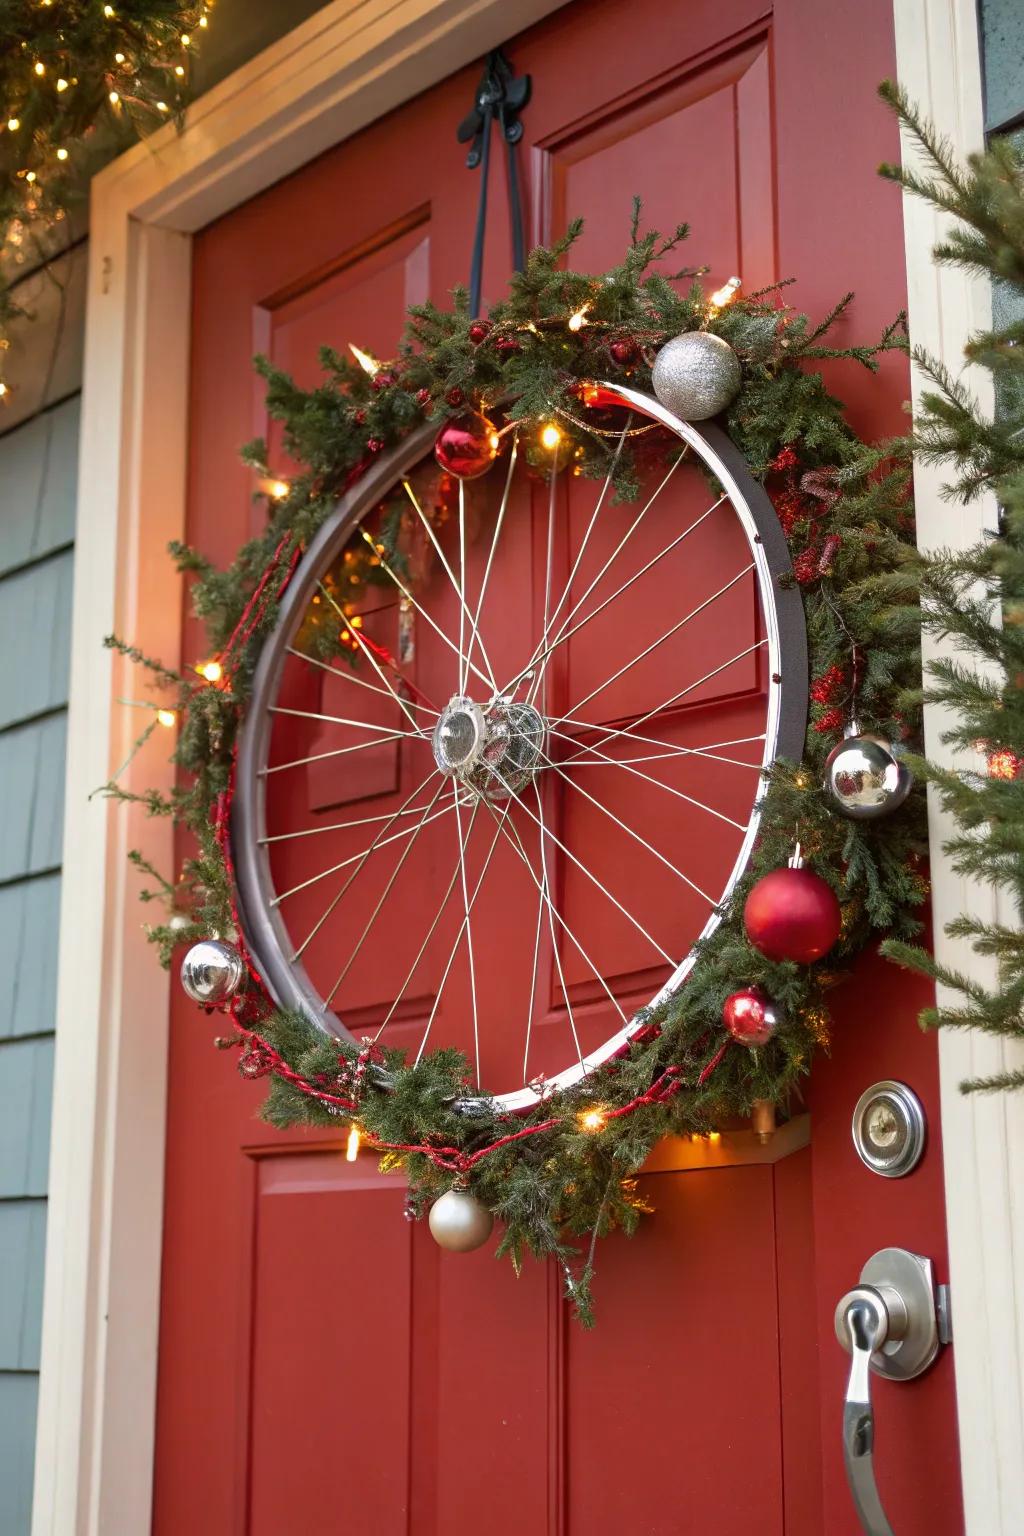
974	600
846	511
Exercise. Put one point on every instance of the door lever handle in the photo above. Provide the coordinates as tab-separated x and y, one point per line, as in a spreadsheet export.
891	1326
866	1321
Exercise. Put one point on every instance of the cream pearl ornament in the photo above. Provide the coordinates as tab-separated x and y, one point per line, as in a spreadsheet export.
696	375
459	1222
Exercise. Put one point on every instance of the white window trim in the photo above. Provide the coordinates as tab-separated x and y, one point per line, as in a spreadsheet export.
349	64
938	59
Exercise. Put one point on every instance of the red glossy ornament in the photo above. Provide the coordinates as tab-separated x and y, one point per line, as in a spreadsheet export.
624	352
478	331
792	914
466	446
750	1016
455	397
506	345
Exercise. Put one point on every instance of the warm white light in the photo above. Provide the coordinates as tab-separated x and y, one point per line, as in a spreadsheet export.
578	319
725	295
62	154
14	123
62	85
211	670
114	98
179	69
162	106
185	39
591	1119
30	175
550	436
108	11
352	1145
40	68
366	360
277	490
3	389
166	717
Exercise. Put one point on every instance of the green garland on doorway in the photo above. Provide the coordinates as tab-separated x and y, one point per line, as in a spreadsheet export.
567	1170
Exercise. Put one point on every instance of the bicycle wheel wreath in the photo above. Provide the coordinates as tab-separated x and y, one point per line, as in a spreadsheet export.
515	722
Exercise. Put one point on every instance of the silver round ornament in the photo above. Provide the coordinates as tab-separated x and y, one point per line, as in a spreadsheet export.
696	375
459	1222
864	777
211	972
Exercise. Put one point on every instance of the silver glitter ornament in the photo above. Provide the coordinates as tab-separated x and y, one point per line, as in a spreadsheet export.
212	972
864	777
696	375
459	1222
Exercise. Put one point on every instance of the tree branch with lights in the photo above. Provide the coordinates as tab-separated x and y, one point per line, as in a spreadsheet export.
79	79
737	1038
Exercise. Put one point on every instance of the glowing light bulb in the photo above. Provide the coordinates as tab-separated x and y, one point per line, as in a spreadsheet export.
277	490
179	69
13	124
113	98
212	671
714	1137
203	21
366	360
3	390
108	11
162	106
185	40
118	58
550	436
591	1119
578	319
40	67
725	295
166	717
62	85
30	175
62	154
495	442
352	1145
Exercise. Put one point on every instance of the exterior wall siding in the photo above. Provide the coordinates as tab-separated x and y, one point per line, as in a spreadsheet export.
38	474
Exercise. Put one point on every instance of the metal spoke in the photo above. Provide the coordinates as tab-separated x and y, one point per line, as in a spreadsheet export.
368	653
565	635
358	725
336	826
421	610
469	934
350	677
677	696
616	762
410	845
431	930
589	874
578	787
670	749
549	613
680	624
378	842
458	937
499	520
459	587
318	757
654	757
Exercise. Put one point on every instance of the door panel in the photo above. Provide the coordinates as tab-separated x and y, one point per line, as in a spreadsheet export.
322	1362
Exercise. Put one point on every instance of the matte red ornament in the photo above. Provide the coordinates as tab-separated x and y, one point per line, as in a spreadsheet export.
792	914
750	1016
466	446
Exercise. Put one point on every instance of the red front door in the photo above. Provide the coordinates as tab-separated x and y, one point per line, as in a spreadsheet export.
323	1365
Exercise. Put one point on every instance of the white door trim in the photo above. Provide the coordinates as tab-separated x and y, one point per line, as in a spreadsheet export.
938	57
346	66
350	63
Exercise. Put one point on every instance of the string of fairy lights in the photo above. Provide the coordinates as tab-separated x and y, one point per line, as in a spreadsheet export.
69	69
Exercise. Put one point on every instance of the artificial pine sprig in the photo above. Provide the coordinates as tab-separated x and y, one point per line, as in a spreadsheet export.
974	599
556	1175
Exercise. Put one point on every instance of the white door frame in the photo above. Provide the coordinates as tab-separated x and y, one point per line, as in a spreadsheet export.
346	66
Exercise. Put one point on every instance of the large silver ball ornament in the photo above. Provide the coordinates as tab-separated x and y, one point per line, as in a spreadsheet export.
459	1222
696	375
864	777
211	972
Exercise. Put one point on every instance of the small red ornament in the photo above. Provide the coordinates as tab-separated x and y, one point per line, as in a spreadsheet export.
466	446
792	914
479	331
423	397
506	345
374	444
359	417
455	397
383	379
750	1016
624	352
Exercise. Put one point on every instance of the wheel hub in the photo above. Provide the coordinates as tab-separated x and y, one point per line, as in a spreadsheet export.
493	751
